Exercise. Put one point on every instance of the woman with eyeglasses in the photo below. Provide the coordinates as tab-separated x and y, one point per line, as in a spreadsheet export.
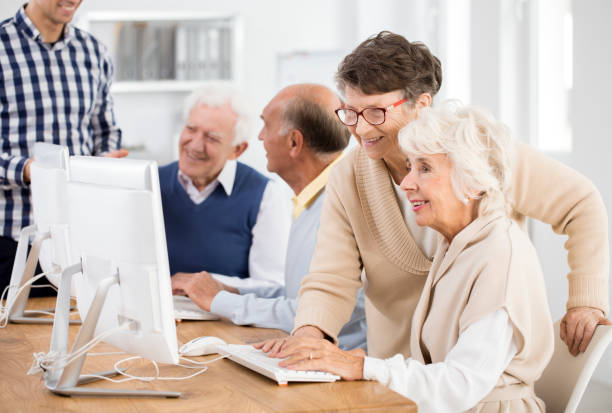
368	224
479	340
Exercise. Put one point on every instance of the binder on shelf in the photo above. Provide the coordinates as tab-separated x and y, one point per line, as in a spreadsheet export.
192	56
180	49
166	52
214	53
128	59
202	52
151	53
226	53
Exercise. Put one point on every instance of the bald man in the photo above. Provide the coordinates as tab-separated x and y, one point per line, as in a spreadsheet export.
303	140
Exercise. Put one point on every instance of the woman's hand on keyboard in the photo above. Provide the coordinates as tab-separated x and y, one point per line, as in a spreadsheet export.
307	353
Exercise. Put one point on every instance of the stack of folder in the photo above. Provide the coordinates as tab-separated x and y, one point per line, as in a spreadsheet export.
174	50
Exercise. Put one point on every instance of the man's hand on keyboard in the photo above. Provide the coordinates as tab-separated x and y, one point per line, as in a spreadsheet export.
201	287
307	353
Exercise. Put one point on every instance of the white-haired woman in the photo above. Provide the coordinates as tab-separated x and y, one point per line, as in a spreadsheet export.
481	332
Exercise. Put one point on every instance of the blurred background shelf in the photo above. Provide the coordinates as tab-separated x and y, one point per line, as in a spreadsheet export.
142	15
160	57
162	86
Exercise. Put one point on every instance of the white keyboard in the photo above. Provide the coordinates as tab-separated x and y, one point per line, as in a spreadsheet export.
186	309
258	361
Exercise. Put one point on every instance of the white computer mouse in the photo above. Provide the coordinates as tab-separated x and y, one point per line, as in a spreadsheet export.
201	346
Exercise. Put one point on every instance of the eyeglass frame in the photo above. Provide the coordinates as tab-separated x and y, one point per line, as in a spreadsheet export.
360	113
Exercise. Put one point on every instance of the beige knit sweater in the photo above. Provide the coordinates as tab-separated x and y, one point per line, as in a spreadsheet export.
362	227
485	268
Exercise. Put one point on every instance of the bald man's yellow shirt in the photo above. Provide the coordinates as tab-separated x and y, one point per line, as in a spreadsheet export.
312	190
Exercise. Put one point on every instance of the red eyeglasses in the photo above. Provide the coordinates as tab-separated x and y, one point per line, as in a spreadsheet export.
374	116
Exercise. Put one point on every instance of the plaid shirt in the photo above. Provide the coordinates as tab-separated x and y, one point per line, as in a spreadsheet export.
57	93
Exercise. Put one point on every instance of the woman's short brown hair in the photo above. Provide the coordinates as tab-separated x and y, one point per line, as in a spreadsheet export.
388	62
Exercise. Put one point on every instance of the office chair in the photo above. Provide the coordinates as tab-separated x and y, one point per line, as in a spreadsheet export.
566	377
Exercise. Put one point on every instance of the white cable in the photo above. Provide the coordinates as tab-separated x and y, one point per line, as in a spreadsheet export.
5	310
200	362
55	361
42	312
54	288
49	313
94	341
109	353
44	286
130	377
157	376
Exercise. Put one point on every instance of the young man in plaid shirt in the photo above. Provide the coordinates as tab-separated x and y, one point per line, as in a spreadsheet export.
54	87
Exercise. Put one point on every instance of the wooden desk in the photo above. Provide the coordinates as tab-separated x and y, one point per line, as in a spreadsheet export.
225	387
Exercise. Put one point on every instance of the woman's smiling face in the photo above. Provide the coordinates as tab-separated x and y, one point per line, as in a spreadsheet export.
429	189
379	141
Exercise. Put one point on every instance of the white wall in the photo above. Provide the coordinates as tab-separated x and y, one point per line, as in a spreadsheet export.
591	108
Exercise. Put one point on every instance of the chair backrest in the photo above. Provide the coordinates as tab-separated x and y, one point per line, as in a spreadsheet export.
565	378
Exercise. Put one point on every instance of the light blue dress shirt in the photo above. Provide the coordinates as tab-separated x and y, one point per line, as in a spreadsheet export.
275	306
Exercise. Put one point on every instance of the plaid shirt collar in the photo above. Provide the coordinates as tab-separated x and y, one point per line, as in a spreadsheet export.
23	23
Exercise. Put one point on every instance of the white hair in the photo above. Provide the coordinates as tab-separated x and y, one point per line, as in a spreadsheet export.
477	145
216	95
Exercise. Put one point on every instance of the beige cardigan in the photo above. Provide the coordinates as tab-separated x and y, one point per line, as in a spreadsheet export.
485	268
362	227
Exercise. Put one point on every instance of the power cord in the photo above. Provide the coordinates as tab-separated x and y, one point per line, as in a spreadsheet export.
5	310
129	377
55	361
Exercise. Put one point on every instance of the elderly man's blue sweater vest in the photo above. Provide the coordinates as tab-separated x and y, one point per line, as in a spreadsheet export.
215	235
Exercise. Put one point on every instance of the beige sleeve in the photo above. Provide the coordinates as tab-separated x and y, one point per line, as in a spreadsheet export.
327	295
553	193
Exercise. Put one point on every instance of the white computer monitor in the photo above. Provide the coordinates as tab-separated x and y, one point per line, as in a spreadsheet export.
49	178
117	227
49	230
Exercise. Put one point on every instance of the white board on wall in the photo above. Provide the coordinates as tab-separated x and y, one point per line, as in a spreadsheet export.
308	67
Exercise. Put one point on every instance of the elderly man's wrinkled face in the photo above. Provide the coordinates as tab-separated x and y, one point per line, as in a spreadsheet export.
429	189
207	142
274	138
381	140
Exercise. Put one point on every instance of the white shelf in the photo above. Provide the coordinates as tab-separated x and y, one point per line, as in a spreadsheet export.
106	26
103	24
162	86
139	15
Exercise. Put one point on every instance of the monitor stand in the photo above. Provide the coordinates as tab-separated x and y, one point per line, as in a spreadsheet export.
65	382
23	271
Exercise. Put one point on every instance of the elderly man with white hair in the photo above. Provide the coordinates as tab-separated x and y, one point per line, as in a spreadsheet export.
222	216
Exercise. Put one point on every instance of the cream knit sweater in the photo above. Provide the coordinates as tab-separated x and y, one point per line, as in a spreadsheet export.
485	268
362	227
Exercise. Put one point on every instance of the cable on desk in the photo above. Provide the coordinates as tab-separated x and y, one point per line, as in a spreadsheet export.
5	310
55	361
130	377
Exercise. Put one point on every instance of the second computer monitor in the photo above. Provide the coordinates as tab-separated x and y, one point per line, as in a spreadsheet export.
49	176
117	224
49	234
